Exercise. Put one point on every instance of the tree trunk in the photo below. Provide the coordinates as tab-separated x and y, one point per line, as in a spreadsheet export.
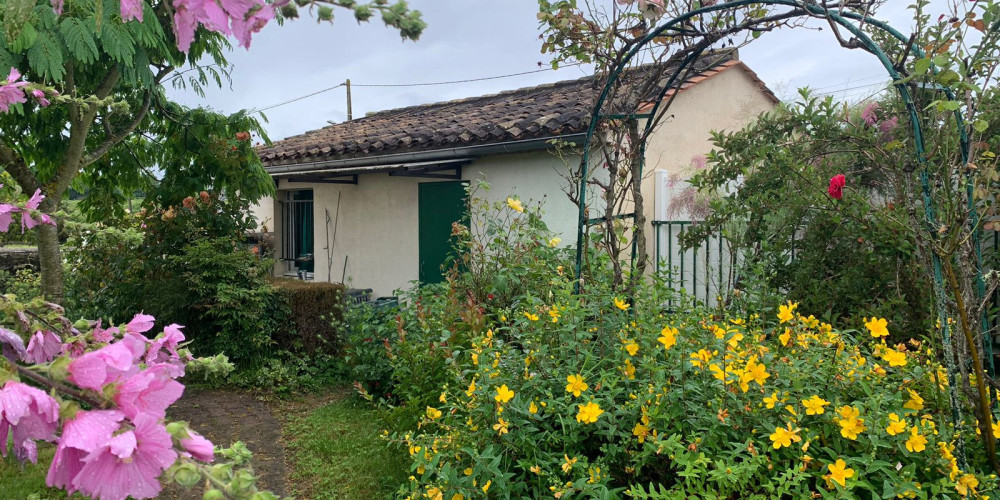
50	257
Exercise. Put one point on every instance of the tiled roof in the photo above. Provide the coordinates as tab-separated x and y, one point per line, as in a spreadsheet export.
540	112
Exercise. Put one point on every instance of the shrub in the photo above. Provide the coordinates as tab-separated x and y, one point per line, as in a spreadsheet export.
314	311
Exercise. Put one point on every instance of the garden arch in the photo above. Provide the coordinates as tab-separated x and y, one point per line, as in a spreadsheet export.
851	22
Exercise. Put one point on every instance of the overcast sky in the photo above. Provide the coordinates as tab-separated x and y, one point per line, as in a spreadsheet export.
469	39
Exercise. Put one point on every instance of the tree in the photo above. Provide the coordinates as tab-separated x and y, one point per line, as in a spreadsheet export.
105	63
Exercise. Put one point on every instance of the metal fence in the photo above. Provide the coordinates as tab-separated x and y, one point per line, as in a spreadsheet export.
706	271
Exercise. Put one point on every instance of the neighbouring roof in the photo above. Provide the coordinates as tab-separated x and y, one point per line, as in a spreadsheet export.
541	112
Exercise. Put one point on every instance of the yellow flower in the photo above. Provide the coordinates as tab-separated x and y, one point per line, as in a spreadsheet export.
475	359
576	385
434	494
515	205
472	388
785	337
996	430
588	413
877	327
717	372
568	464
814	405
433	413
486	487
640	431
554	242
532	408
504	394
467	471
839	472
896	426
536	469
967	484
629	370
894	357
701	357
668	337
631	348
785	312
554	314
916	403
531	317
734	340
851	428
757	372
621	304
771	400
784	436
501	426
917	442
458	496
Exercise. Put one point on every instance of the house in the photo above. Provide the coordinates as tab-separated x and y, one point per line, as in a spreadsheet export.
371	201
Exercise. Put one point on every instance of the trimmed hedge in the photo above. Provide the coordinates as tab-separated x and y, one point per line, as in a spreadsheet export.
313	307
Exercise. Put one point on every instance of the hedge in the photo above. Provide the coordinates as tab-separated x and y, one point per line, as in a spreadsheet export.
313	309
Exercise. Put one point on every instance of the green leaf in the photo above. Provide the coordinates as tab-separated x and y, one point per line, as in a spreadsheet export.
981	125
25	38
46	58
118	42
79	39
921	66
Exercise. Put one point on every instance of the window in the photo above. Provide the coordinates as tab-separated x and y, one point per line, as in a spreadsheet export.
297	230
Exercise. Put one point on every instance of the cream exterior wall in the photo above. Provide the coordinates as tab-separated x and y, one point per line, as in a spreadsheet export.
377	230
377	225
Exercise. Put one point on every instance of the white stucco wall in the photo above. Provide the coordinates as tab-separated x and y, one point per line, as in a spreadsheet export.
377	230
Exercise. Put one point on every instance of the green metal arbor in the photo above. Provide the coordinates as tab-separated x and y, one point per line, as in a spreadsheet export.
852	23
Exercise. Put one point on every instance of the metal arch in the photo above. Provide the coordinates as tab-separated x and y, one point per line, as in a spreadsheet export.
843	19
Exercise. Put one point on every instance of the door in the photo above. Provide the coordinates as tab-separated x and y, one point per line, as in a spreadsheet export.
439	204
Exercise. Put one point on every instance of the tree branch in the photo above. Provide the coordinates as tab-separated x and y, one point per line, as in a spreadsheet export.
113	139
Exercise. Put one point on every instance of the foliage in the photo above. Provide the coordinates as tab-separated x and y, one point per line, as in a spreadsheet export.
599	395
188	265
849	258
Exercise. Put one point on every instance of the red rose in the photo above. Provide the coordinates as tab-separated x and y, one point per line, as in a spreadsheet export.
837	184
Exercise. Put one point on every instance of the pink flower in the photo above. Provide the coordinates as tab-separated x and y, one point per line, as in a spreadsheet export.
31	414
836	189
104	335
85	433
129	464
699	161
148	392
131	9
57	5
869	114
7	212
244	29
11	92
12	345
96	369
43	346
141	323
886	128
199	447
168	340
40	97
651	9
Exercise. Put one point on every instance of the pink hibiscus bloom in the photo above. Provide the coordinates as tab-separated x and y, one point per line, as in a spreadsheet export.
104	335
148	392
168	340
199	447
11	92
244	28
88	431
141	323
43	346
31	413
129	464
12	345
96	369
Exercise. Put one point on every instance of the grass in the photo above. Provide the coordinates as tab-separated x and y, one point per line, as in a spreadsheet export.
22	482
335	452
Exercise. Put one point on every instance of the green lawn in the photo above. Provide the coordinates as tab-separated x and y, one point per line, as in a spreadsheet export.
335	452
19	482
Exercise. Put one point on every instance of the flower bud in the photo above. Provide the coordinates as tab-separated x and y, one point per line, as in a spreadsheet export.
178	430
187	475
244	480
213	495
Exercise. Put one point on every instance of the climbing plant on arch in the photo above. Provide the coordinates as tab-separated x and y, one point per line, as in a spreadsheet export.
955	194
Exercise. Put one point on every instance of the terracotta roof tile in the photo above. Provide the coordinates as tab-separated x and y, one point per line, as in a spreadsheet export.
543	111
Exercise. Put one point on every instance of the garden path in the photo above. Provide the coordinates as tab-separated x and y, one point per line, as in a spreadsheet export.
225	416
